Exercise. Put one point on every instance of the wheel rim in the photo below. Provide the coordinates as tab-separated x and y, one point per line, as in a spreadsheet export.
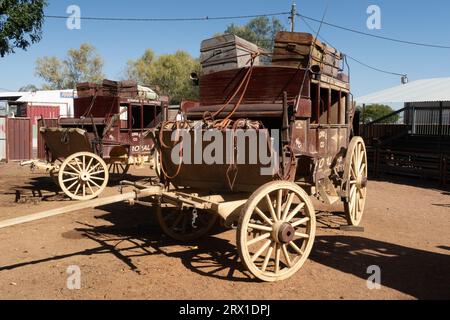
276	231
355	181
117	170
83	176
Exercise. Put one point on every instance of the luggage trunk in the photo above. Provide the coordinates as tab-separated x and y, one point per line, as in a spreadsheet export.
227	52
300	50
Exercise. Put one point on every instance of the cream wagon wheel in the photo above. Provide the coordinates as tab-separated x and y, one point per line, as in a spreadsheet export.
83	176
187	224
117	170
276	231
355	181
157	163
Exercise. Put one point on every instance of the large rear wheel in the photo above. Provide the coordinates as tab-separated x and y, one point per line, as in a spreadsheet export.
276	231
355	181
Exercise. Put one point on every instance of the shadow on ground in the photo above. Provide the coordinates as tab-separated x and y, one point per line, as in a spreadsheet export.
44	188
134	233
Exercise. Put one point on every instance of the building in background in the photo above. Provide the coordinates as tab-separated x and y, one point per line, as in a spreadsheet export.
50	104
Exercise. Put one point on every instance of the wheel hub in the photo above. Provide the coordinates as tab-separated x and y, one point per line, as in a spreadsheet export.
84	176
361	182
284	233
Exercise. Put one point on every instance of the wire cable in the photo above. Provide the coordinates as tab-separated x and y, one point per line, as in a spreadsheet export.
374	35
171	19
352	58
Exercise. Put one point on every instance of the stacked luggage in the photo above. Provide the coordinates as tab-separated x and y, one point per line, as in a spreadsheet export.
124	89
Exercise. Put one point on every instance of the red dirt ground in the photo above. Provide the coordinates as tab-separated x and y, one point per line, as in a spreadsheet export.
123	255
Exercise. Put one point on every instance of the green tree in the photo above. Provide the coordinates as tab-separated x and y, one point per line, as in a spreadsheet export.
20	24
377	111
169	72
261	31
80	65
28	88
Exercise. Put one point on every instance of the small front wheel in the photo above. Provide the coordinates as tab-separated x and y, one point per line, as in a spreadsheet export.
83	176
185	224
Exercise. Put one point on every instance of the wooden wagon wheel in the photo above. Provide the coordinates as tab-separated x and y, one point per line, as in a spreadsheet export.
83	176
355	181
117	170
276	231
187	224
157	163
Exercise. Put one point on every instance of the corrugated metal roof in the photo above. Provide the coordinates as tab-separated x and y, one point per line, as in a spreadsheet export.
48	96
437	89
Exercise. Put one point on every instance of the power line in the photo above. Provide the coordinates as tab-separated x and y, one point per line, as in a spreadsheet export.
376	36
354	59
171	19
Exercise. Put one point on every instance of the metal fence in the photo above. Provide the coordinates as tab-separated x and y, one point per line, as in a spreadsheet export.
431	121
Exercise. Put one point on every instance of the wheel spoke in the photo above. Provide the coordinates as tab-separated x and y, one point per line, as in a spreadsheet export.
300	222
296	248
97	178
259	227
73	168
70	179
353	172
354	200
277	258
71	174
94	183
77	189
267	259
302	235
261	250
90	188
72	185
288	206
279	203
257	239
295	211
94	167
286	255
272	211
263	216
89	164
77	161
362	169
98	172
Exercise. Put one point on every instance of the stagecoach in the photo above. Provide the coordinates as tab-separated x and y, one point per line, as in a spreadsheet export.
297	96
296	101
108	133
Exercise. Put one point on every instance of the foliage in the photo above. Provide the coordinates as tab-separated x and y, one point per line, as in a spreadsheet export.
169	72
261	31
80	65
28	88
20	24
377	111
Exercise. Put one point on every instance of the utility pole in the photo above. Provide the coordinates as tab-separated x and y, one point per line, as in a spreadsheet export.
292	17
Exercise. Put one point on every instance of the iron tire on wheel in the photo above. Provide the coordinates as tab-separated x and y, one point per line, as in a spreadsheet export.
177	223
83	176
281	234
355	181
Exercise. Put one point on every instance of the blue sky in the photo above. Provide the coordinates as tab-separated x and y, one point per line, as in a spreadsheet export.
117	42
